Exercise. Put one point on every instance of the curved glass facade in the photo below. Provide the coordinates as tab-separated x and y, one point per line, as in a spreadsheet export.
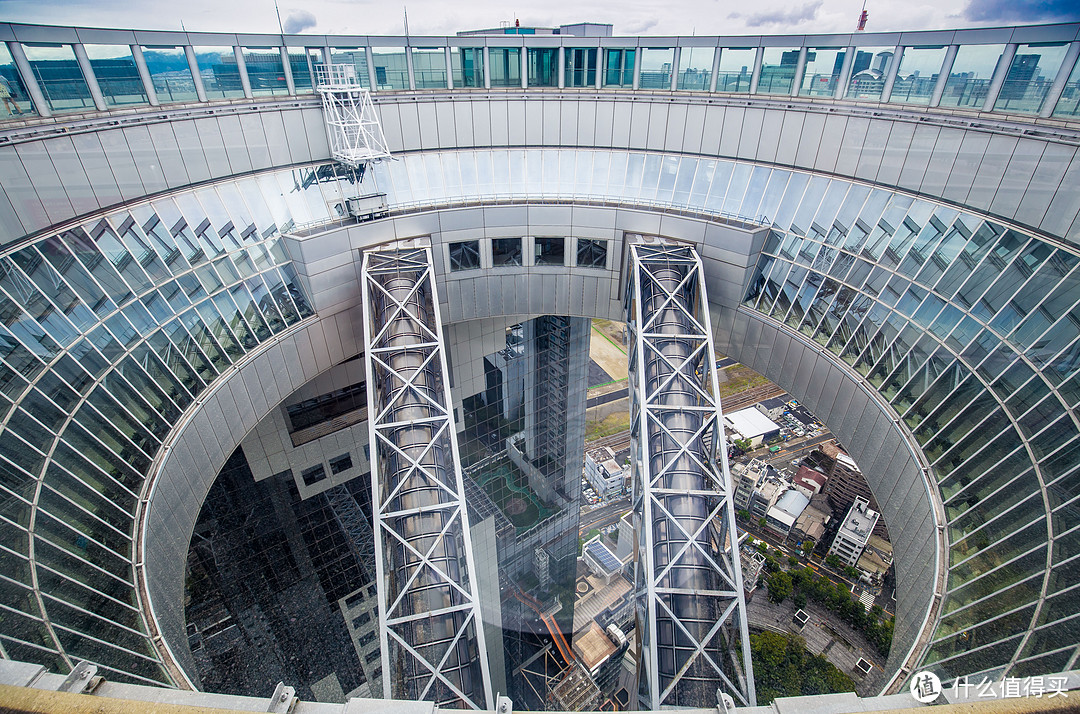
112	328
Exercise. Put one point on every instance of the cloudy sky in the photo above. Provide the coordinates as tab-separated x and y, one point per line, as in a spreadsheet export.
630	17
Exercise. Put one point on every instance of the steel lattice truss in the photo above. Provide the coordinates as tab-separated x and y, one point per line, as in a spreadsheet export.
355	135
432	636
691	607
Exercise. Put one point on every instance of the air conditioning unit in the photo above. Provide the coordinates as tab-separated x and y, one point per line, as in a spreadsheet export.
368	208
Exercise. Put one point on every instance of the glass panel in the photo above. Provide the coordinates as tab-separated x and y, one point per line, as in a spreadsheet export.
429	67
543	66
505	67
550	251
506	251
117	76
777	70
468	66
917	75
823	67
357	57
1069	104
735	70
1032	72
581	66
58	74
170	74
391	70
656	68
301	72
265	71
695	68
13	92
618	68
969	80
591	253
868	72
219	73
465	255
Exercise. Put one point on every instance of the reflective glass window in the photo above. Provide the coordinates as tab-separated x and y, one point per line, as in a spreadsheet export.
1069	103
116	74
868	72
736	69
581	68
777	70
1033	70
591	253
695	68
391	69
13	94
357	57
301	63
917	75
822	72
468	66
465	255
505	251
543	65
656	68
618	68
266	74
969	79
550	251
170	74
429	67
219	73
59	77
505	66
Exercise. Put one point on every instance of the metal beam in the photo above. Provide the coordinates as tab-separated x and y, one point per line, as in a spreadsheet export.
691	609
429	614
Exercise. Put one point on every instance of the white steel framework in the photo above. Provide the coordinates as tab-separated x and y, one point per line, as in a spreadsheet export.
429	616
355	135
691	610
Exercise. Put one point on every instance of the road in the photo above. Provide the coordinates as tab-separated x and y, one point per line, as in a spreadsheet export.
605	515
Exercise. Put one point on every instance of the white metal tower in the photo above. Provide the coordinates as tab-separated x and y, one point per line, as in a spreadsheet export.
356	137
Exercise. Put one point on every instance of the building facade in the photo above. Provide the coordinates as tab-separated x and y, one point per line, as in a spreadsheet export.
901	255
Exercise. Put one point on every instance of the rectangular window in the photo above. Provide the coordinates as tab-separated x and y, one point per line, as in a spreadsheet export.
505	66
1069	104
822	73
468	66
373	656
429	67
656	68
341	463
543	66
58	74
917	75
219	73
313	475
695	68
465	255
550	251
301	69
580	67
591	253
868	72
170	74
18	99
969	79
619	68
777	70
506	251
1032	72
266	74
357	57
117	76
367	638
391	71
736	69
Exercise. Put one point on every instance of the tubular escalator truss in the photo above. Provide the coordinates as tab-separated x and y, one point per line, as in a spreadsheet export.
691	611
429	615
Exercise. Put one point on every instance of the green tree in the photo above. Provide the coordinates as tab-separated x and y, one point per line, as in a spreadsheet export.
743	514
792	561
743	444
799	599
779	585
762	522
833	560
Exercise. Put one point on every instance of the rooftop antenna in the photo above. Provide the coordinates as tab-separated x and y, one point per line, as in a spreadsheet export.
863	16
278	11
406	8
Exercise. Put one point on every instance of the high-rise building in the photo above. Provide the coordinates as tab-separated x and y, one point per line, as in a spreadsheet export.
178	260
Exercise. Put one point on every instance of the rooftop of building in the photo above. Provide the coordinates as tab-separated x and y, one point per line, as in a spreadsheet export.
593	645
750	422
